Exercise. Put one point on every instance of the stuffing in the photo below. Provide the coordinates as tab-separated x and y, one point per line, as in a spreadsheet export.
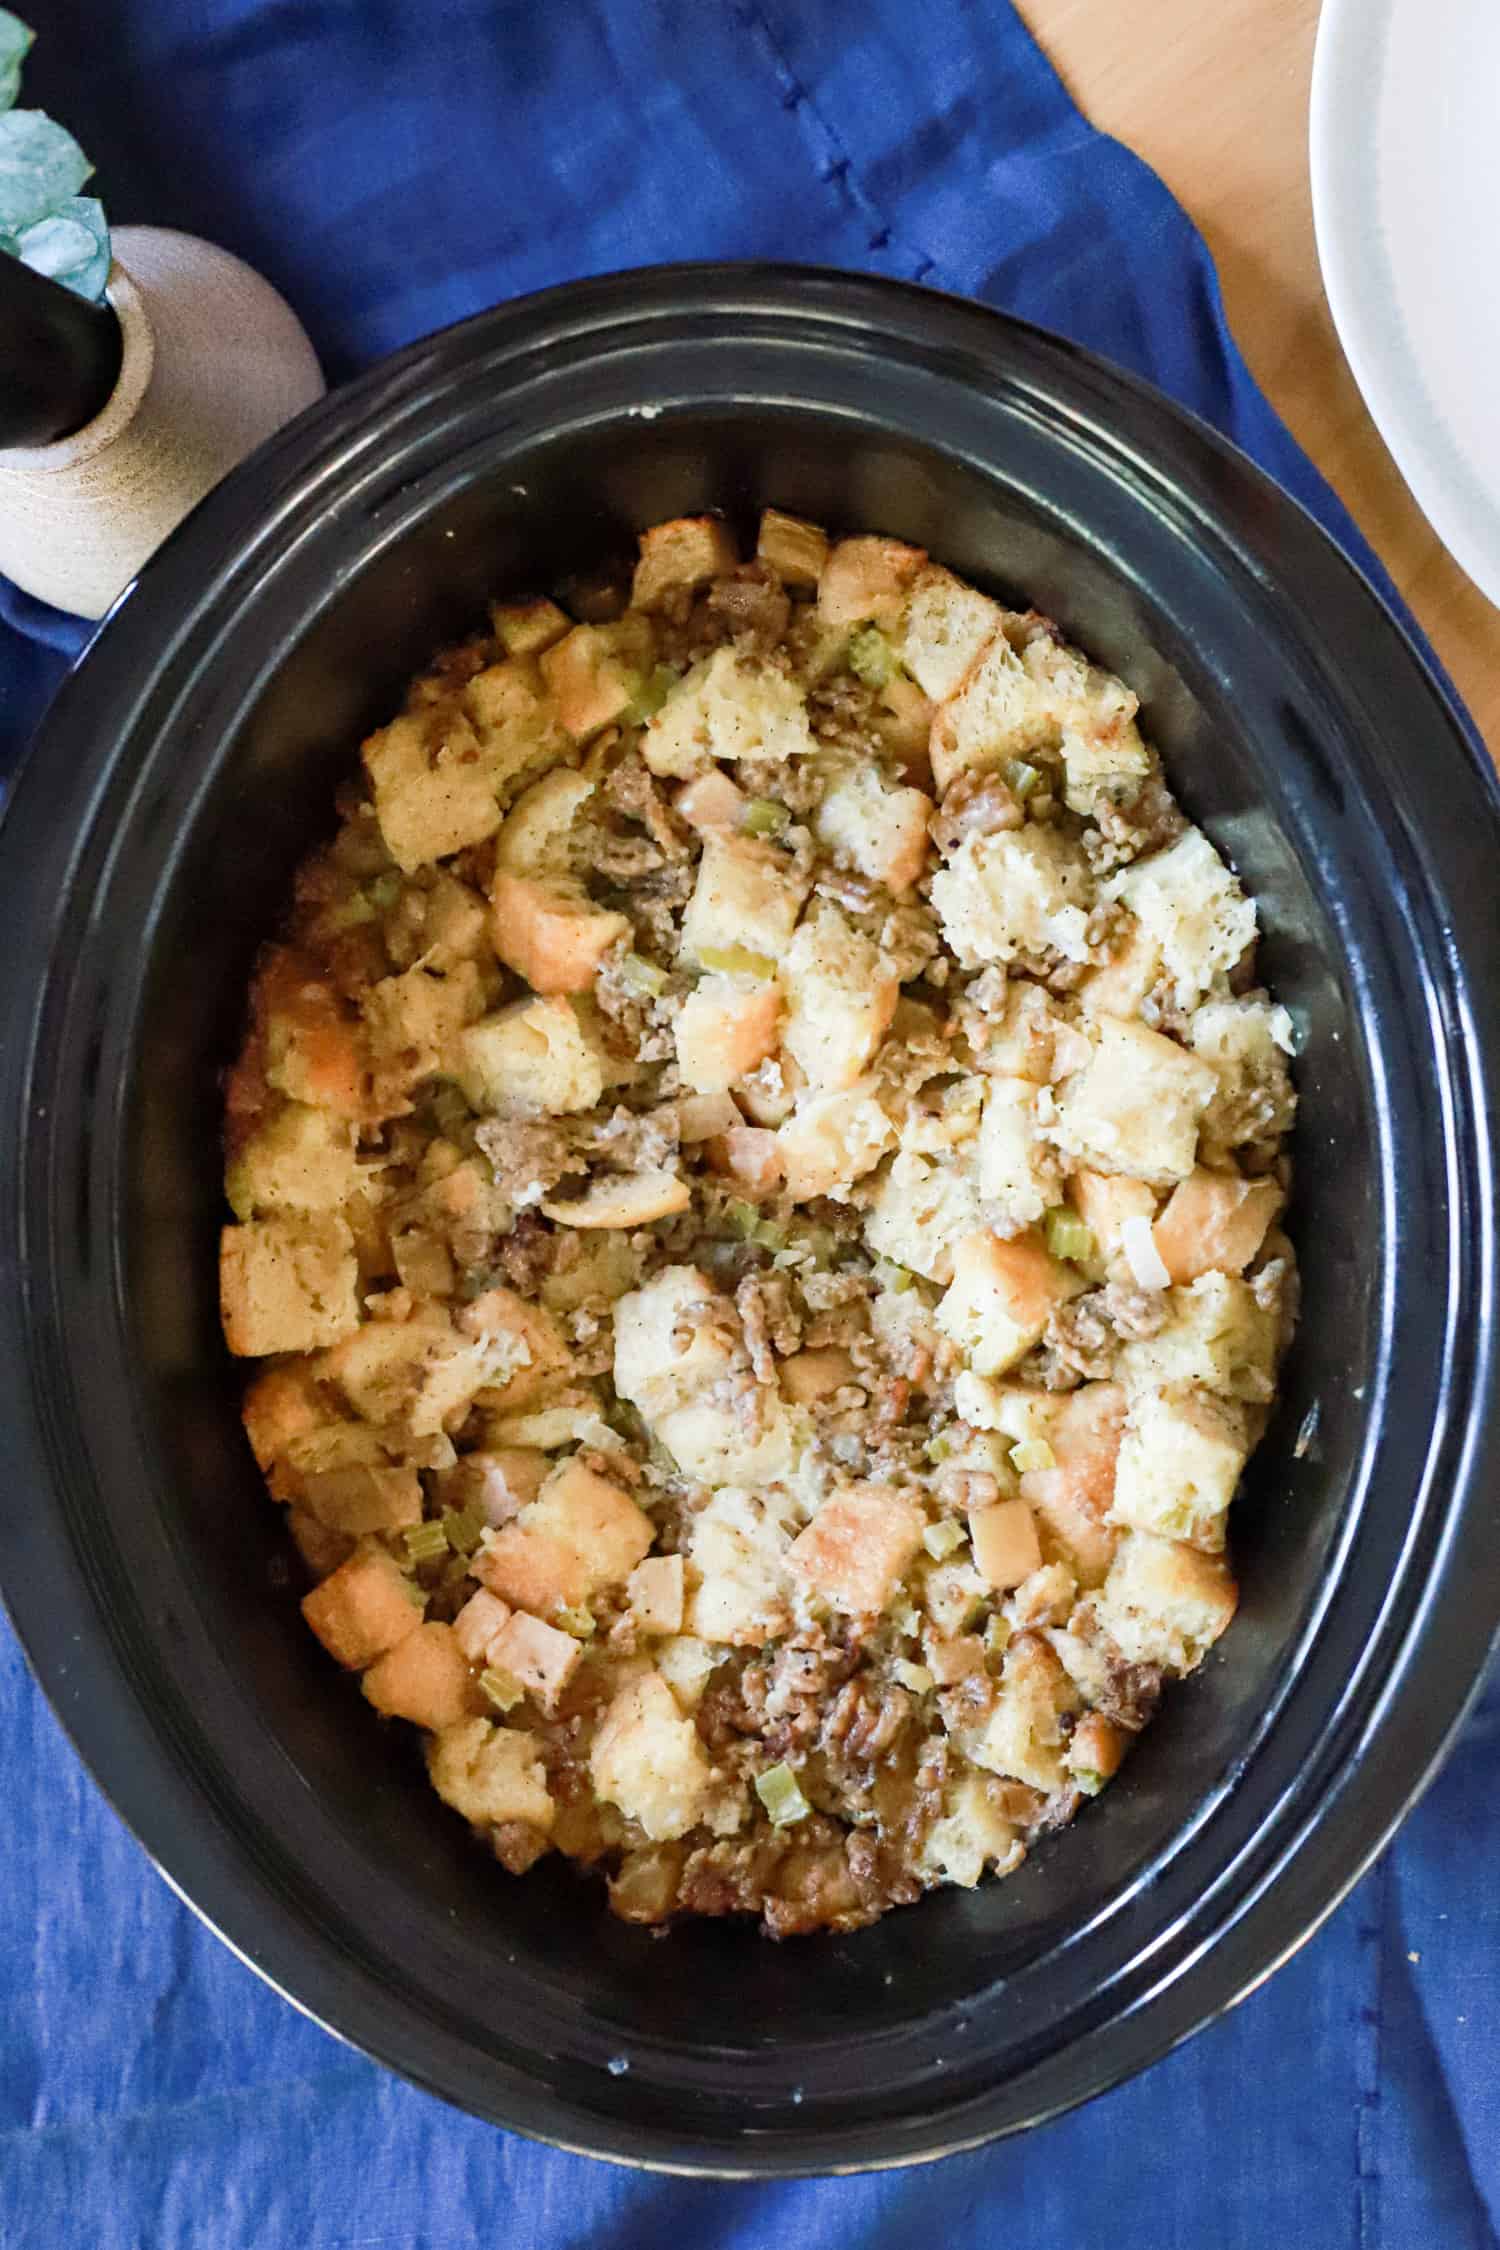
756	1180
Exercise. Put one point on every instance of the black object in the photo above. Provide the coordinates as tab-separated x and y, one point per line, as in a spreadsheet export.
59	357
191	759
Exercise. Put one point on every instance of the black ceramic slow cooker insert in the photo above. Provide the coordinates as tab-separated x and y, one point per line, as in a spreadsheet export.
186	766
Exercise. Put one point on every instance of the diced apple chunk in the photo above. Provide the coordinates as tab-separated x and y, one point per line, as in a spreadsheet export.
1073	1498
426	1678
858	1548
685	553
796	551
1214	1222
287	1284
550	932
363	1498
656	1593
363	1609
712	801
592	679
1005	1544
537	1655
726	1027
477	1625
1000	1299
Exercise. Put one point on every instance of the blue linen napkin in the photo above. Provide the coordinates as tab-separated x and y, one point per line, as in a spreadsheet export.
394	165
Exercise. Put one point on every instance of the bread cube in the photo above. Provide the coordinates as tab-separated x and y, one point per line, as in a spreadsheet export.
440	773
491	1775
687	1664
749	1156
972	1834
858	1548
673	1340
1120	983
477	1625
414	1019
1180	1461
363	1609
656	1592
725	1027
425	1678
1192	905
1018	1171
1216	1334
1247	1042
593	679
537	1656
580	1535
998	713
1103	758
1023	1735
1214	1222
288	1283
746	900
810	1376
948	626
685	553
738	1552
647	1759
727	706
536	836
363	1498
497	1479
550	932
299	1159
1004	1543
281	1405
632	1200
516	722
1104	1201
529	1347
420	1372
315	1055
832	1140
1135	1106
321	1550
1164	1603
1000	1299
902	719
1072	1500
536	1058
840	999
952	1593
795	551
866	581
526	628
872	825
922	1210
710	1443
1022	890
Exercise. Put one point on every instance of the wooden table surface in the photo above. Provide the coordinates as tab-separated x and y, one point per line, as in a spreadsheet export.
1213	94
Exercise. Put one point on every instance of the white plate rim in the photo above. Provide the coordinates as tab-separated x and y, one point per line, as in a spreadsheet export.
1359	281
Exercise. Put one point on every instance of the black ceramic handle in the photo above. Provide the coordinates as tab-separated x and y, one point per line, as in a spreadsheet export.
59	357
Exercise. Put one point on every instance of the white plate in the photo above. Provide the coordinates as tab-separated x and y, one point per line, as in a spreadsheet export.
1406	200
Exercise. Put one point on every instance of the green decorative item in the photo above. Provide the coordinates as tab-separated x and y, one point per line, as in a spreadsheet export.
44	221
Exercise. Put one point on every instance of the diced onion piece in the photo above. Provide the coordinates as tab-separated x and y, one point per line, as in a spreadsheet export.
997	1635
1021	779
941	1538
1032	1453
1147	1268
578	1622
503	1688
913	1676
764	817
778	1791
737	960
642	976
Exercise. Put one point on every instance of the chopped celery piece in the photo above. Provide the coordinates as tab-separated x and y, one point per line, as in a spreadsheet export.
384	891
503	1688
898	1279
415	1594
820	1241
349	916
778	1791
940	1539
1021	779
871	657
1067	1235
744	1218
424	1542
769	1235
764	817
1032	1453
1085	1778
638	975
462	1528
578	1622
913	1676
652	693
450	1111
737	960
938	1448
997	1635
